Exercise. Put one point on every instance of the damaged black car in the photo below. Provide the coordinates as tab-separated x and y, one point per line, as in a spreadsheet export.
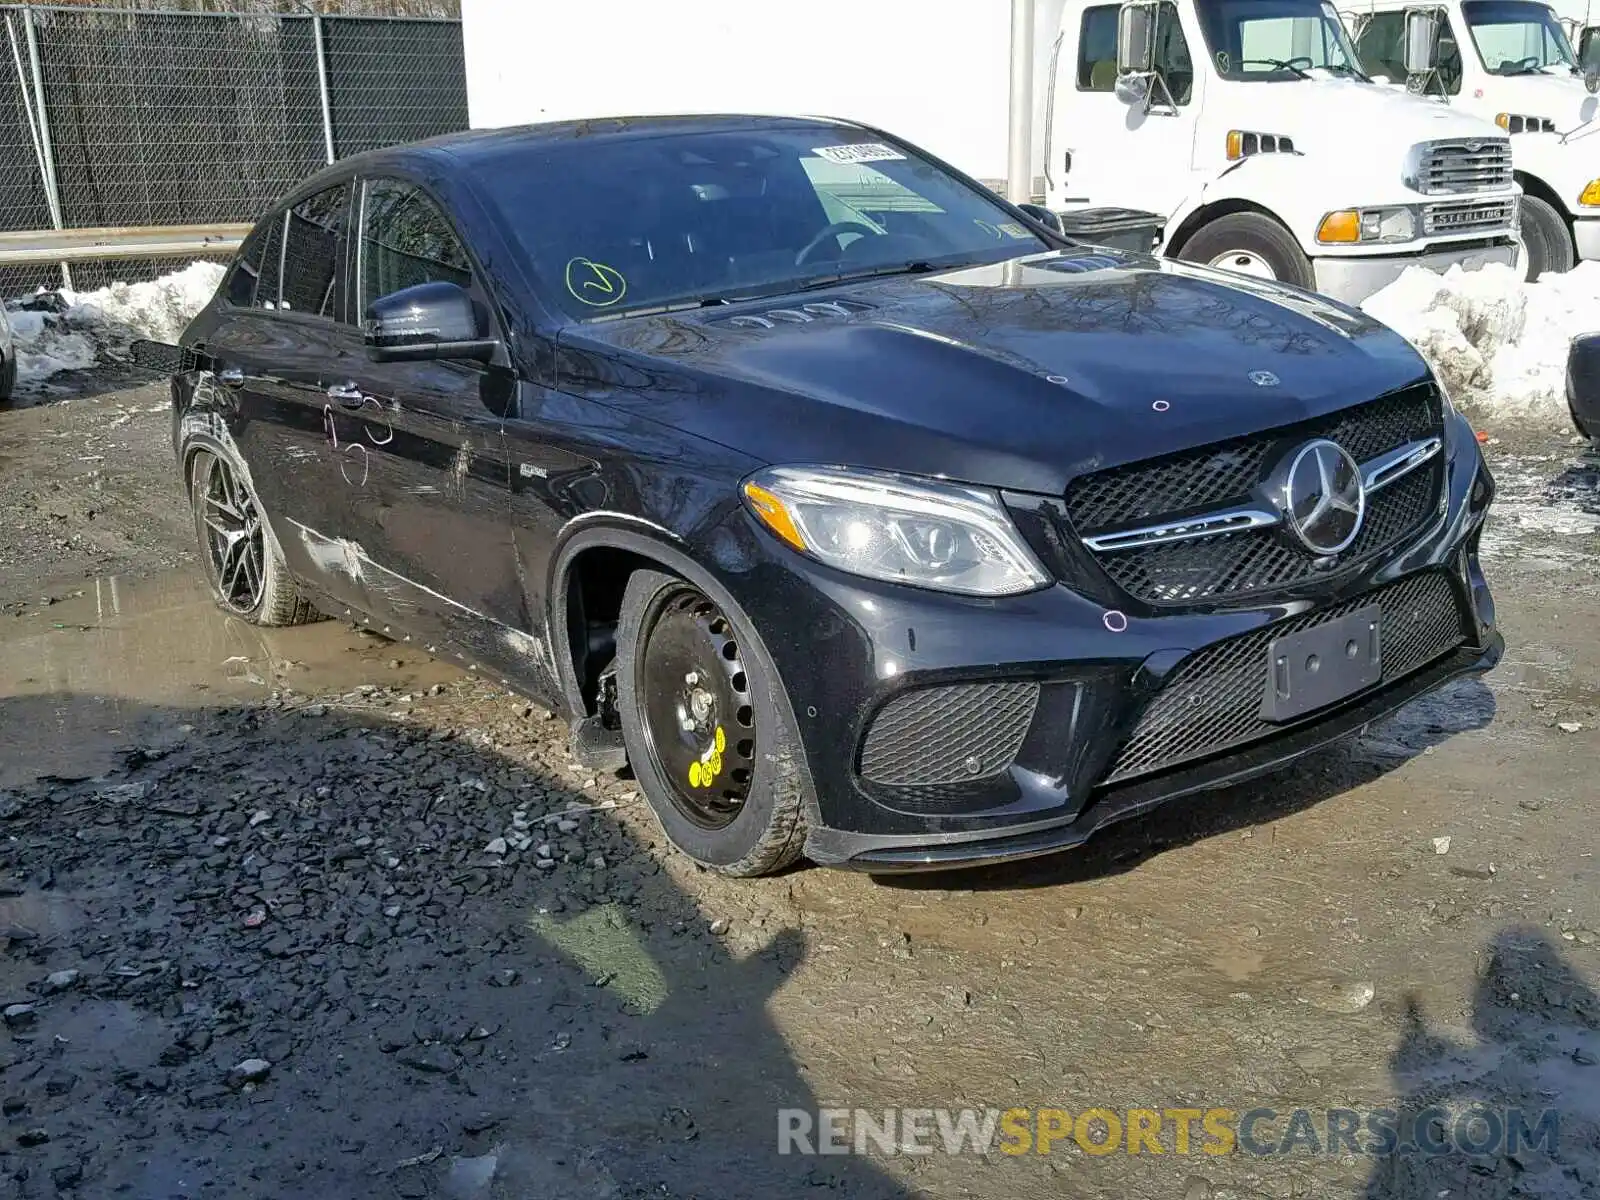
861	513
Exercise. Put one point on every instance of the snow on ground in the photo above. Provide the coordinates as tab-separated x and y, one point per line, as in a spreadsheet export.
1499	344
108	319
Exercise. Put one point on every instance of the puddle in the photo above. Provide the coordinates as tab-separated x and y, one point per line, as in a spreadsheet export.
99	657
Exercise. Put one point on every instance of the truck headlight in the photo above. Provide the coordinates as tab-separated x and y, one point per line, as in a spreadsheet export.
1350	225
923	532
1591	194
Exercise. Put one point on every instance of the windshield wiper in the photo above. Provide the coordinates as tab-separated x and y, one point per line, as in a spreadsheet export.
826	281
1277	64
1347	69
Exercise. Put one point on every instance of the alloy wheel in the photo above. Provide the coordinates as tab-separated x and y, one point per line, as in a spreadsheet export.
232	533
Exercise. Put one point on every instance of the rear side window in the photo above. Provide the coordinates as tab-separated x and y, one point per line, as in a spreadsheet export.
407	240
264	246
312	259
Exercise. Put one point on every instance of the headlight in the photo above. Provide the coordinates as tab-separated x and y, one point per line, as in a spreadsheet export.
1350	225
1591	193
921	532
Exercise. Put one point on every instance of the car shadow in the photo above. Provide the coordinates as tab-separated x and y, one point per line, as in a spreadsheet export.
1428	721
276	951
1526	1071
1579	483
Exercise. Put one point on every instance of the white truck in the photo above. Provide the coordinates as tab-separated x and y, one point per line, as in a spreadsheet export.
1248	125
1511	62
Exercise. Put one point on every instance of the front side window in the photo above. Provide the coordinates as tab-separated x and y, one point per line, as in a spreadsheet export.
618	224
407	240
1516	37
1276	40
1382	45
312	255
1097	54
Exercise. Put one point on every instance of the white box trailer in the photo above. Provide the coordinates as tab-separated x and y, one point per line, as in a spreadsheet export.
1297	172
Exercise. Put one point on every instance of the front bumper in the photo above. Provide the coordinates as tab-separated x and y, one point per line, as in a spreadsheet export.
1050	692
1353	279
1586	236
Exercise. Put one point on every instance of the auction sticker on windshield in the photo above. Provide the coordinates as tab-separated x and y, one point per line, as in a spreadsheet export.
858	152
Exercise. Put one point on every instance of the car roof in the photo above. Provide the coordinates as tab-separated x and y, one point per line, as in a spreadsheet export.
479	144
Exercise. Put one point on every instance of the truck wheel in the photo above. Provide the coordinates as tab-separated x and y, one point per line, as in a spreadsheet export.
710	736
1546	243
1250	244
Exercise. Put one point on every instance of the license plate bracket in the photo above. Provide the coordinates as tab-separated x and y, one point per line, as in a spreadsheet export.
1323	665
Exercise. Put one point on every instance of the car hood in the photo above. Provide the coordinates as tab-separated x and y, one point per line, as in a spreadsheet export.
1373	120
1561	98
1018	375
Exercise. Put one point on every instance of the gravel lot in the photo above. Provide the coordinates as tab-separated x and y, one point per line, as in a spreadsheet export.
304	914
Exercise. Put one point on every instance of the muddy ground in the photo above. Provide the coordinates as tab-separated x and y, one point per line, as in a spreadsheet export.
262	905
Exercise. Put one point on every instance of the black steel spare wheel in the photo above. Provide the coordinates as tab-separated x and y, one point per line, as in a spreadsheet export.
710	735
231	534
697	711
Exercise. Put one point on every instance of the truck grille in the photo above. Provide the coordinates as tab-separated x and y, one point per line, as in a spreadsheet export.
1466	218
1457	166
1252	561
1213	700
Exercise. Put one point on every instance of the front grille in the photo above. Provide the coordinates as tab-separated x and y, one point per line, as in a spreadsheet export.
1213	700
1463	166
1234	565
946	735
1466	218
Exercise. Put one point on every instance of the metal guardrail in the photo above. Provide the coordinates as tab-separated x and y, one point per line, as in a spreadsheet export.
33	246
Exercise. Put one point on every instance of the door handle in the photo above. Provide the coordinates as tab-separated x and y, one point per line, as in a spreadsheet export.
347	395
230	377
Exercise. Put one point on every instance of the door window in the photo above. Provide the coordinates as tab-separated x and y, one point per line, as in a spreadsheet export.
1097	53
312	258
407	240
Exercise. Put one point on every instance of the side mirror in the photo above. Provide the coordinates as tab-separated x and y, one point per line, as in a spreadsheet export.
1136	42
1044	216
436	320
1583	383
1422	41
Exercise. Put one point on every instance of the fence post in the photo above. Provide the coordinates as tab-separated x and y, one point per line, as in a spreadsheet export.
48	154
322	83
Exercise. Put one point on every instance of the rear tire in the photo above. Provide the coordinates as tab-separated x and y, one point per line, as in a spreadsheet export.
238	553
1547	244
710	738
1250	244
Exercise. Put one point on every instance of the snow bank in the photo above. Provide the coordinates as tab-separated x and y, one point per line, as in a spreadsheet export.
106	320
1499	344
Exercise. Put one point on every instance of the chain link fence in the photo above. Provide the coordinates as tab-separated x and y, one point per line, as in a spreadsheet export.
139	118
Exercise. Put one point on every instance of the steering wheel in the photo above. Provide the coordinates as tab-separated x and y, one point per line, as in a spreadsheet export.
1507	67
833	229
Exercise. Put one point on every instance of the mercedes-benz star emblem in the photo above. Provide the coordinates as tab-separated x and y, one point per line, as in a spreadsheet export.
1324	500
1263	379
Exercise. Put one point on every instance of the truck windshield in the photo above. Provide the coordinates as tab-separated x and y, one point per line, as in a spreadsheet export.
1517	37
652	219
1276	40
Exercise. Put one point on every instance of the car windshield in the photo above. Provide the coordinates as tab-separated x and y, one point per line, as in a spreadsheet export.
621	224
1515	37
1276	40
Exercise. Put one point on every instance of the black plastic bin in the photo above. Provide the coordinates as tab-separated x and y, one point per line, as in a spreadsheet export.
1117	228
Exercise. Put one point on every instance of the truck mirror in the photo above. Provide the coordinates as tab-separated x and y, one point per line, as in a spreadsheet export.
1136	49
1422	41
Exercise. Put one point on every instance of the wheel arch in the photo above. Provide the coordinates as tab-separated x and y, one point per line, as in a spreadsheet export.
588	574
1197	220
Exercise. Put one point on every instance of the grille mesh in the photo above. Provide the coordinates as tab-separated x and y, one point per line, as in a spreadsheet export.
1451	166
1213	700
1221	475
926	737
